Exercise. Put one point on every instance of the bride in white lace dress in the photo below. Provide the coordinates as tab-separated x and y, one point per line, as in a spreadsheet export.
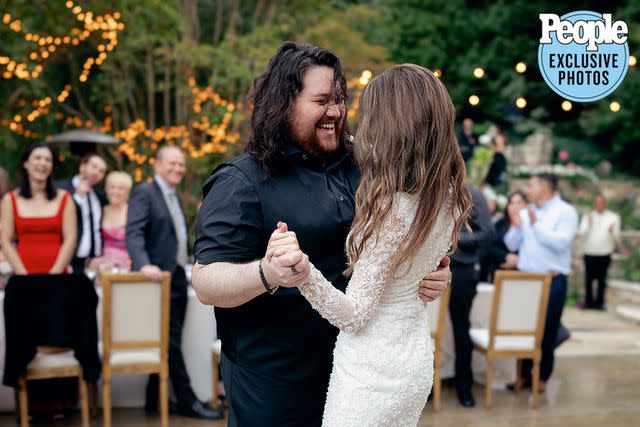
410	206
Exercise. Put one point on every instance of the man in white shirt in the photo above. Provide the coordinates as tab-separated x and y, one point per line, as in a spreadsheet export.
543	234
89	202
601	231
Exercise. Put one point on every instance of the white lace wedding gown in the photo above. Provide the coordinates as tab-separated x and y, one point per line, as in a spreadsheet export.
383	359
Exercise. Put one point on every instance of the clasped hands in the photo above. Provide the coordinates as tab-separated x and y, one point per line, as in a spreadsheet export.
286	265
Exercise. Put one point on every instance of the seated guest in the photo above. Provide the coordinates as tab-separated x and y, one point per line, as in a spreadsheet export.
40	217
114	220
500	257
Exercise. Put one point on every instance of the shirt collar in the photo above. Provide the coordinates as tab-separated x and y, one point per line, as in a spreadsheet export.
166	189
75	180
552	201
293	151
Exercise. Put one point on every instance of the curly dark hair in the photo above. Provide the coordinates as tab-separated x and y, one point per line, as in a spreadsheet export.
273	95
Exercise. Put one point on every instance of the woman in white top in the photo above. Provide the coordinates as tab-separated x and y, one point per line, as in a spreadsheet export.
410	207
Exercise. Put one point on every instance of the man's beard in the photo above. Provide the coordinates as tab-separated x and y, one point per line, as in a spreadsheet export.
306	139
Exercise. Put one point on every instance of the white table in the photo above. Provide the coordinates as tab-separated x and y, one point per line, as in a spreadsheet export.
504	370
198	333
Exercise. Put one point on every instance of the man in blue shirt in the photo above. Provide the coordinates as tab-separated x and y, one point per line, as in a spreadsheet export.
543	234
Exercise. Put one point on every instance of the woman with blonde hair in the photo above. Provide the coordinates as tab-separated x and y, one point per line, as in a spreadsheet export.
410	207
118	186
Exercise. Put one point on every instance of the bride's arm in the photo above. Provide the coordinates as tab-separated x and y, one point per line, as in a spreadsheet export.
350	311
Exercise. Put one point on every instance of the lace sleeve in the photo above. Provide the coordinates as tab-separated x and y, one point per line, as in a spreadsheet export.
350	311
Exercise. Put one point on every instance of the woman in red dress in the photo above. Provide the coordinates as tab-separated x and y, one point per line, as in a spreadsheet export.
39	217
43	222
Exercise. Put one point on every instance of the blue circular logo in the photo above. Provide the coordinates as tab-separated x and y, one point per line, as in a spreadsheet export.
582	56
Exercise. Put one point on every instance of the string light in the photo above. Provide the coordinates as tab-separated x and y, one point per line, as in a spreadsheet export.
614	106
632	61
521	103
474	100
478	73
46	45
567	105
521	67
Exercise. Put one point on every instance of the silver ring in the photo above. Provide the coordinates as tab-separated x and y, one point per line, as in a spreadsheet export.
293	270
449	282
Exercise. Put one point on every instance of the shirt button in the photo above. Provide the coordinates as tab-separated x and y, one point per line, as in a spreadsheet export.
341	198
304	157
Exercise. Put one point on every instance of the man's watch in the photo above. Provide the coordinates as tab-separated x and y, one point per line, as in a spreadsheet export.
269	289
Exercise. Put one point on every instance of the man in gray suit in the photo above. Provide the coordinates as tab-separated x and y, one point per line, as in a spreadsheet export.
157	241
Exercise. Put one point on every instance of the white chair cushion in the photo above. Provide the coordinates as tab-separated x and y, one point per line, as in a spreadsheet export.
216	347
53	360
126	357
480	337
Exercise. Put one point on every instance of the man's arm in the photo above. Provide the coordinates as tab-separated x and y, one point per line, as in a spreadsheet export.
513	238
138	216
227	285
562	235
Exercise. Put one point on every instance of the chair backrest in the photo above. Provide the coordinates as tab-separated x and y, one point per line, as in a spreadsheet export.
437	311
519	304
135	312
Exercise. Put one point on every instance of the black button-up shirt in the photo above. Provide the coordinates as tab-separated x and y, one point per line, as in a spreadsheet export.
280	335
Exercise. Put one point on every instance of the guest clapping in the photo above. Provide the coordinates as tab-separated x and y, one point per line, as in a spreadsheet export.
500	257
543	234
114	221
39	217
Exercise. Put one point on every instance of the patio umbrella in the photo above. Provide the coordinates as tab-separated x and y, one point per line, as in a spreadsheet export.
83	141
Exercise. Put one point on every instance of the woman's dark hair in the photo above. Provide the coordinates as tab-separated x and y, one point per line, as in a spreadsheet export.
25	187
506	208
274	93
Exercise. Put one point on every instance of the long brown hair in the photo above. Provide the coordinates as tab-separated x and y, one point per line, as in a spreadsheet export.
406	142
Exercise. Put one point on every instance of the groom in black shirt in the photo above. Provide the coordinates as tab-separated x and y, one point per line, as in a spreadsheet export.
298	167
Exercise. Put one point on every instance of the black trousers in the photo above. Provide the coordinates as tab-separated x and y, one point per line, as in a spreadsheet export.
557	298
259	399
78	264
596	268
463	291
177	369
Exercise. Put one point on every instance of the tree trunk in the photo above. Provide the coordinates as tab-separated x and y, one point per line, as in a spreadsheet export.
178	98
166	90
257	13
217	32
271	13
151	90
234	16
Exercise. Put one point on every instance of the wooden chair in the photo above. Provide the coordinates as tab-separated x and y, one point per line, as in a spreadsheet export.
437	311
518	314
135	333
52	362
216	349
